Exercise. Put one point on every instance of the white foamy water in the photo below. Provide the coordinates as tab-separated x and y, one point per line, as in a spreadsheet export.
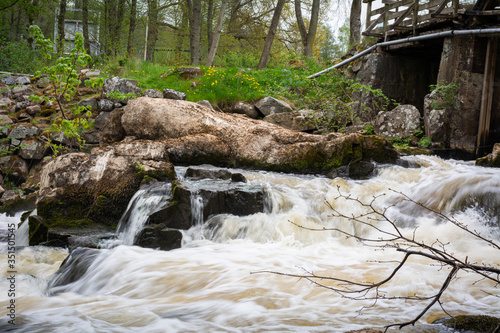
208	285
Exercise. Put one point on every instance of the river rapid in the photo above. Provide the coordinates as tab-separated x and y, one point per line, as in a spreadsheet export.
216	281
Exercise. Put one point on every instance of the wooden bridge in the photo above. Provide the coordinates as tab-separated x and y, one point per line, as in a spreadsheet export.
398	18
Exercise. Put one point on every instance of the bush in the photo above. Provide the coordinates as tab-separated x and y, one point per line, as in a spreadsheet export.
18	57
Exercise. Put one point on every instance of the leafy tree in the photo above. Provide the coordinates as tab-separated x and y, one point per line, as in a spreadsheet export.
64	81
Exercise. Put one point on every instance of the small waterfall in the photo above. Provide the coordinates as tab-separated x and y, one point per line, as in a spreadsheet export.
196	208
145	202
23	232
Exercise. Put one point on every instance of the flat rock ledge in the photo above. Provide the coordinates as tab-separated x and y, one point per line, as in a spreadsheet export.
195	135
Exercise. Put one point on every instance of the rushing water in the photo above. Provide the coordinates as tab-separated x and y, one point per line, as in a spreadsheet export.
208	285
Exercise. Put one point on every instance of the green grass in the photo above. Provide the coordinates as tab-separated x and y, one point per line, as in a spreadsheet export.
226	85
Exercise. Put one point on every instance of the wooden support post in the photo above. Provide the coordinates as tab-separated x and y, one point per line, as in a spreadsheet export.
368	14
415	17
386	19
487	96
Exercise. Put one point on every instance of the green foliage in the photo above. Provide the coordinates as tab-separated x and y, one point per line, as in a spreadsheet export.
425	142
18	57
369	129
64	82
237	59
446	94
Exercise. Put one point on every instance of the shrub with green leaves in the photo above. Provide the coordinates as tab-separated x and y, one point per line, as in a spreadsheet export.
64	82
446	94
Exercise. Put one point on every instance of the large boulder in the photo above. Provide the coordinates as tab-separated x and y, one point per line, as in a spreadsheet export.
82	192
402	122
196	135
491	160
124	86
270	105
246	109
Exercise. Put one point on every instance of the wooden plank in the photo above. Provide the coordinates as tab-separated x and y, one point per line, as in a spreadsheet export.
482	12
415	18
487	96
441	6
402	16
374	23
368	14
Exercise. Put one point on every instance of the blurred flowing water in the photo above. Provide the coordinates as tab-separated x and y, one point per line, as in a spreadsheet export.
208	285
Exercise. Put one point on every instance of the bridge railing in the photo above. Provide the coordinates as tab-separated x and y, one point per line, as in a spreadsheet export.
407	15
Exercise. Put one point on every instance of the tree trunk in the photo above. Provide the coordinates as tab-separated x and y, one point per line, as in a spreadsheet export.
32	12
131	29
60	26
210	18
117	31
153	28
300	22
270	35
216	35
355	23
313	26
195	31
308	36
85	25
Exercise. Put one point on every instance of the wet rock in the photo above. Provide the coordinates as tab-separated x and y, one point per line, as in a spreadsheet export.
174	94
113	130
188	73
24	131
106	105
479	323
205	104
33	149
361	169
271	105
401	122
80	190
124	86
159	237
217	197
72	269
153	93
223	174
491	160
246	109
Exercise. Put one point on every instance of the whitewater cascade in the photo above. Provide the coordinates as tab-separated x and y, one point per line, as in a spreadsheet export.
208	284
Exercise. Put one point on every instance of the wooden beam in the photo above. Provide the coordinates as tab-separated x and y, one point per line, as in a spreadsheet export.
487	96
402	17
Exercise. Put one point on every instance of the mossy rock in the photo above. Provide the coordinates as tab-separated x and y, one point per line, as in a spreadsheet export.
479	323
413	151
20	204
80	206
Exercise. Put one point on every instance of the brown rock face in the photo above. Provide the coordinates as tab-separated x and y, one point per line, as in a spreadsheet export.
195	135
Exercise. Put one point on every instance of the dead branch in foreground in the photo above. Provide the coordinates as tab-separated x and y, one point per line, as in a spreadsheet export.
390	236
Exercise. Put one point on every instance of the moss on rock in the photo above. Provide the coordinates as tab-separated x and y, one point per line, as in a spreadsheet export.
479	323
